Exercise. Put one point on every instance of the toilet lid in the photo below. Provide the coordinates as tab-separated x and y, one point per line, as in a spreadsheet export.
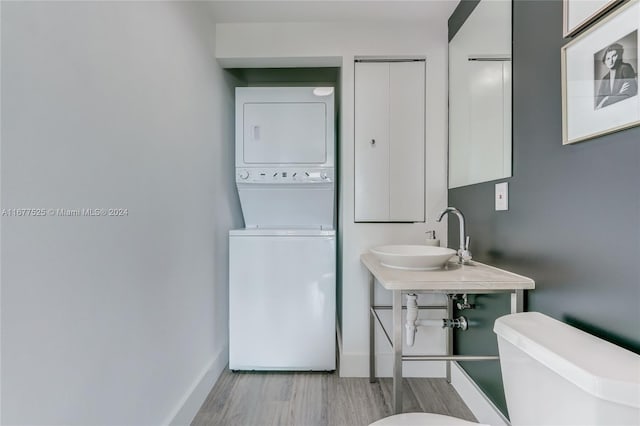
422	419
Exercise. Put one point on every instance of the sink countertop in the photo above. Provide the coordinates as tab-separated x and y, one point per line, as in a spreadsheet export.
475	277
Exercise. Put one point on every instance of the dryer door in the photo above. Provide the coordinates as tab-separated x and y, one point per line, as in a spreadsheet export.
285	133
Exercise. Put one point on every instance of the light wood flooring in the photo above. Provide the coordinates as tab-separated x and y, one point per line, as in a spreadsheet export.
322	399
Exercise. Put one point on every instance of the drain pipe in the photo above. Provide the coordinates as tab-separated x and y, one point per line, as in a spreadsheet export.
412	317
412	322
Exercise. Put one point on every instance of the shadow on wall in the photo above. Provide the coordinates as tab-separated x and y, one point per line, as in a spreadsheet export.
603	334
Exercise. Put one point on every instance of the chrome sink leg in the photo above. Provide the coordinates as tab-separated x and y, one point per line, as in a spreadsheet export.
517	301
372	330
449	332
397	351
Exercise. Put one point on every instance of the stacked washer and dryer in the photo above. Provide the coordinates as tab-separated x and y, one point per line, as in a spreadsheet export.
282	286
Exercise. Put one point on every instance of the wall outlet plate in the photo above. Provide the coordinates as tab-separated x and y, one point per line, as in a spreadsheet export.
502	196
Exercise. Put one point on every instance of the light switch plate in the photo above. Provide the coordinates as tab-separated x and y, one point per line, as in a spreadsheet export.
502	196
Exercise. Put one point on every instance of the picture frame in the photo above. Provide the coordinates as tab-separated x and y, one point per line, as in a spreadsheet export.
600	77
579	14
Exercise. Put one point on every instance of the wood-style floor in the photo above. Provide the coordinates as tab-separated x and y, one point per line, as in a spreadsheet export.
322	399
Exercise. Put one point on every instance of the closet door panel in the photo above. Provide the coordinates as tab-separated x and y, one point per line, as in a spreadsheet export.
371	168
407	146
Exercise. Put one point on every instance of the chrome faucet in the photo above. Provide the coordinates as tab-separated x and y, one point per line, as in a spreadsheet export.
464	255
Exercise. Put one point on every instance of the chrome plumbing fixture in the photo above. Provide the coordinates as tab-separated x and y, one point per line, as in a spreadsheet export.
464	304
460	322
412	323
464	255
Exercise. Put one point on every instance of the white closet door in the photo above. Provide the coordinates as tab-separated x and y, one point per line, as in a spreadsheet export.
407	136
506	140
371	142
488	128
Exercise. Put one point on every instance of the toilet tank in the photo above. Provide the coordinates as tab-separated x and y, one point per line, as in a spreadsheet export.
555	374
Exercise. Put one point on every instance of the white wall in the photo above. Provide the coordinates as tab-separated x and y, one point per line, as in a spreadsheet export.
113	320
331	44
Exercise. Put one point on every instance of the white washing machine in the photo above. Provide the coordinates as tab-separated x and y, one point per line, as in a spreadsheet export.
282	299
282	285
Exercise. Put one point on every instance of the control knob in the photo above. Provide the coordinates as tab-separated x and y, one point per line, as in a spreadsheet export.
244	175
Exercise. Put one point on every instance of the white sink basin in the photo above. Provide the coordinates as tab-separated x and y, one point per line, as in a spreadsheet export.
413	257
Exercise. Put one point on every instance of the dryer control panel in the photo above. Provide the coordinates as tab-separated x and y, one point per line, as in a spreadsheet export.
284	175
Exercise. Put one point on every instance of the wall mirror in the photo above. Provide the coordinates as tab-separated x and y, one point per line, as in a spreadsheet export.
480	96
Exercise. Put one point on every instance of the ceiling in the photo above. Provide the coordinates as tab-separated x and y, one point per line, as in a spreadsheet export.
332	10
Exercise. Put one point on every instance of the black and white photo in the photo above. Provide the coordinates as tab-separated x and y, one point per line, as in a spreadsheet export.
600	77
618	79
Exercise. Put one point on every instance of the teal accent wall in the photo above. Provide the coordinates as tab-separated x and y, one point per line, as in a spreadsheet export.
573	223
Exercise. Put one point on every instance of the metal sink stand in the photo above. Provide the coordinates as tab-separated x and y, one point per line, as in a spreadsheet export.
395	340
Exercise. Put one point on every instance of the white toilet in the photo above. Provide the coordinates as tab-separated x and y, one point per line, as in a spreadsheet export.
555	374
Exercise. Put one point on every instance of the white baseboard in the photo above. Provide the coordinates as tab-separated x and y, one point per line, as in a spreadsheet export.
339	337
338	346
357	365
479	404
196	395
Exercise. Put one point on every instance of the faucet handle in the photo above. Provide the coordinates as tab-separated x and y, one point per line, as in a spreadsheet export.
464	254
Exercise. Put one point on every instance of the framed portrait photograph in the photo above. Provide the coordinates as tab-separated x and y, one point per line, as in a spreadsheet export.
600	77
578	14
